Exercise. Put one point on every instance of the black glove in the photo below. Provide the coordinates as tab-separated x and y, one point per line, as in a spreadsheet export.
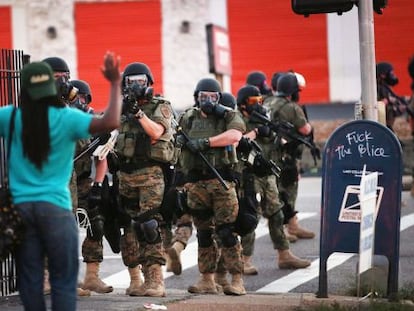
198	144
316	153
133	108
180	140
220	110
244	145
264	131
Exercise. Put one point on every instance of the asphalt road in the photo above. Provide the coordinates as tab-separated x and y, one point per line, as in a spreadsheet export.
341	277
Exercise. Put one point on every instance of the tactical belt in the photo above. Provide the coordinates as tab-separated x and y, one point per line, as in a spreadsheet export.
195	175
131	167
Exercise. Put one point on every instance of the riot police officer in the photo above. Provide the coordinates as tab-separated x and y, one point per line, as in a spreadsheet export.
258	79
249	100
143	147
90	198
411	107
395	106
212	130
284	107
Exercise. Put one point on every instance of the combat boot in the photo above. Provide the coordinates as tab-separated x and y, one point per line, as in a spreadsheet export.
295	229
236	287
83	292
174	255
168	267
290	237
248	267
92	280
46	283
136	282
154	287
289	261
205	285
221	279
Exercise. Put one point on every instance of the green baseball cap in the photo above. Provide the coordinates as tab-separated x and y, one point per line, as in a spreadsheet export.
37	79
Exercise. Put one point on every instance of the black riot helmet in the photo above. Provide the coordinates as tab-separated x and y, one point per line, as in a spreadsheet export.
83	88
250	99
287	85
227	99
207	85
258	79
411	71
207	94
137	69
57	64
275	77
385	72
245	92
136	82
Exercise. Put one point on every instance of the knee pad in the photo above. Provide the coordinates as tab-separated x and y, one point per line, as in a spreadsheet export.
205	238
147	231
276	219
226	236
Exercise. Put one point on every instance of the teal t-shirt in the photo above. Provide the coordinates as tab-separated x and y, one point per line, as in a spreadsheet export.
51	184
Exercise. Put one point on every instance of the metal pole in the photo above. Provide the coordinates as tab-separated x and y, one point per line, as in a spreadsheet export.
367	56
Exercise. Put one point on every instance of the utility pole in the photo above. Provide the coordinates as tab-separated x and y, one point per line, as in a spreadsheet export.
367	56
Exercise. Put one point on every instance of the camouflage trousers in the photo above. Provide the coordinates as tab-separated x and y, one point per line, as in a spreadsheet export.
145	189
211	206
182	232
290	194
92	250
271	208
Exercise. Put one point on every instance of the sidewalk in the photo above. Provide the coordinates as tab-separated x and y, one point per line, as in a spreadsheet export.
183	301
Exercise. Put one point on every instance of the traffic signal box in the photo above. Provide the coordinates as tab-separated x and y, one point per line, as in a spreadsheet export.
307	7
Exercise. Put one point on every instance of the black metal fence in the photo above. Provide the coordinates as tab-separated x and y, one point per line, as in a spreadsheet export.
11	61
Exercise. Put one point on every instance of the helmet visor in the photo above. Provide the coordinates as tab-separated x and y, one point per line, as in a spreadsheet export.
253	100
204	96
139	79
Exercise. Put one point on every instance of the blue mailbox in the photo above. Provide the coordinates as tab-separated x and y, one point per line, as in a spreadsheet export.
347	150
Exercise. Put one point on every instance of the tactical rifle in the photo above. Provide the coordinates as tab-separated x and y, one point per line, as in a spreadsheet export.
180	131
259	162
287	130
100	140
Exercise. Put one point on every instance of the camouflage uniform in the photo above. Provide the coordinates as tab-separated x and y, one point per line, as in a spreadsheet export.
212	206
282	109
141	181
270	204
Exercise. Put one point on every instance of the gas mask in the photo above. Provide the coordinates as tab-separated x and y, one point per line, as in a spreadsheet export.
65	89
136	87
391	79
207	101
254	103
295	97
81	102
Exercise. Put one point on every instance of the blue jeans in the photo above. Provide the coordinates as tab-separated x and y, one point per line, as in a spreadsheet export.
52	233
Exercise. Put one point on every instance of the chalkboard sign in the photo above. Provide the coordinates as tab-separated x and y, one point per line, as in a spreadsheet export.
348	149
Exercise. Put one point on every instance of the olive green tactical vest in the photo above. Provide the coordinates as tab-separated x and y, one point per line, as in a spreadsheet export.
133	145
196	126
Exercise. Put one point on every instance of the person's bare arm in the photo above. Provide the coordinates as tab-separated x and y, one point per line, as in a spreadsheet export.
229	137
152	128
305	130
111	117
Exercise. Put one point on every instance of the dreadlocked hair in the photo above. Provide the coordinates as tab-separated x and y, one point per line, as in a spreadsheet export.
35	128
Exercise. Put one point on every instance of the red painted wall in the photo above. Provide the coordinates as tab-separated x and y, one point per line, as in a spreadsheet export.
5	28
131	29
266	35
394	39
